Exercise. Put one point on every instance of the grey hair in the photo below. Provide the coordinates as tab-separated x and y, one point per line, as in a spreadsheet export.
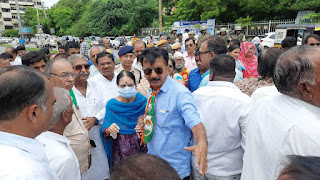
49	66
74	57
63	100
216	44
293	67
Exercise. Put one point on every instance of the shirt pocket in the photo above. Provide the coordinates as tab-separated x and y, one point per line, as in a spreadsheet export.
162	115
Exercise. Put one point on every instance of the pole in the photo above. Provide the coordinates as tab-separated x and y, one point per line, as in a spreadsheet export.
44	10
18	12
160	16
37	13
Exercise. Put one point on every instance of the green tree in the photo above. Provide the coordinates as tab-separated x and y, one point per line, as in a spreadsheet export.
118	17
30	19
10	33
62	18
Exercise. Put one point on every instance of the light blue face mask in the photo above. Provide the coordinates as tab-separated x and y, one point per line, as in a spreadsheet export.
127	92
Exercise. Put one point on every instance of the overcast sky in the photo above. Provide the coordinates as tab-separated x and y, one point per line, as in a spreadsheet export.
49	3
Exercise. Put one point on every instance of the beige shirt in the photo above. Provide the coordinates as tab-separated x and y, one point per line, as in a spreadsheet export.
79	139
136	72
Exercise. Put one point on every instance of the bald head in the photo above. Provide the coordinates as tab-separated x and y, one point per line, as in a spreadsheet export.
60	73
94	51
297	73
106	42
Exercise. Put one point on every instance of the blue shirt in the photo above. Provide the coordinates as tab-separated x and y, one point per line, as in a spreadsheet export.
194	79
175	115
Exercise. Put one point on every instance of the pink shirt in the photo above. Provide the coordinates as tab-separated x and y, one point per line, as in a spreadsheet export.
190	62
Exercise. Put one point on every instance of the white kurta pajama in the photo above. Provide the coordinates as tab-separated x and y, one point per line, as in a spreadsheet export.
99	91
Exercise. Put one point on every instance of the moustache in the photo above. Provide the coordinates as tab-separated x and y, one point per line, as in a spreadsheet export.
84	73
154	79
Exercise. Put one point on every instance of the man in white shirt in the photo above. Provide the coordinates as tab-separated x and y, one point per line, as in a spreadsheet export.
185	35
105	81
138	48
21	120
21	51
57	147
94	51
90	103
61	74
286	124
223	108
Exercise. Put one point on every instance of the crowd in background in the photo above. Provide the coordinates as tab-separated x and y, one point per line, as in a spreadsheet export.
207	108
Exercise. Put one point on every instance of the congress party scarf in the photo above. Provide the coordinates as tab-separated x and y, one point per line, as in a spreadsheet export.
148	122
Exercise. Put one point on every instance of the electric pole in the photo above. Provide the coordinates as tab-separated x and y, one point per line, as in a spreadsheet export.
160	16
18	12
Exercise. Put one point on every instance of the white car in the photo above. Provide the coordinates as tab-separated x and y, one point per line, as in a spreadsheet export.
267	41
115	43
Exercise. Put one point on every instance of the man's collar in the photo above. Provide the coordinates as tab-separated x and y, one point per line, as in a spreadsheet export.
166	84
24	143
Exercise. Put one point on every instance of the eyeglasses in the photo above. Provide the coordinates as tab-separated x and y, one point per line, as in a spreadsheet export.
170	66
314	44
189	45
199	53
79	67
148	71
64	75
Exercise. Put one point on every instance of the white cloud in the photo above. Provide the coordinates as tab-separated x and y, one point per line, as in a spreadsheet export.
49	3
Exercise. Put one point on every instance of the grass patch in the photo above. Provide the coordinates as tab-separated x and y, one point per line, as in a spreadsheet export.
28	48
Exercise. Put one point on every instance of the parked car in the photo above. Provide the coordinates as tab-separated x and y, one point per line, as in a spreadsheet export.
267	41
5	40
115	43
128	40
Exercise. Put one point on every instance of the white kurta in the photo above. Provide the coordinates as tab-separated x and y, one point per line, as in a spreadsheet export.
264	92
93	71
99	91
60	155
223	108
279	125
23	158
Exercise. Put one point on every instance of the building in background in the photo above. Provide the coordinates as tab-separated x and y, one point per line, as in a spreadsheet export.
8	12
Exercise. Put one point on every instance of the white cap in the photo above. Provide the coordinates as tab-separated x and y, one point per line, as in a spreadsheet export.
177	54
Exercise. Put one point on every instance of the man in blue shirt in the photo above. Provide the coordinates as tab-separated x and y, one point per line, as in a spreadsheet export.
209	48
175	114
196	75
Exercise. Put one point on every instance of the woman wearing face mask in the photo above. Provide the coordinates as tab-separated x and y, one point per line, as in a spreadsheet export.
248	59
234	51
119	137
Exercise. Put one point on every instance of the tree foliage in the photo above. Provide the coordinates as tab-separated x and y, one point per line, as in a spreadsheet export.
230	10
10	33
116	17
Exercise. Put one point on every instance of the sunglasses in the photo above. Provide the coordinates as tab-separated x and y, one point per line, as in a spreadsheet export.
79	67
170	66
314	44
148	71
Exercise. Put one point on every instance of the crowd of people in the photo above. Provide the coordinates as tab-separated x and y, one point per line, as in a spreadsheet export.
216	111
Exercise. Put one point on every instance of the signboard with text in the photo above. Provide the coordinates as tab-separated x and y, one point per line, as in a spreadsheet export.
192	26
25	30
